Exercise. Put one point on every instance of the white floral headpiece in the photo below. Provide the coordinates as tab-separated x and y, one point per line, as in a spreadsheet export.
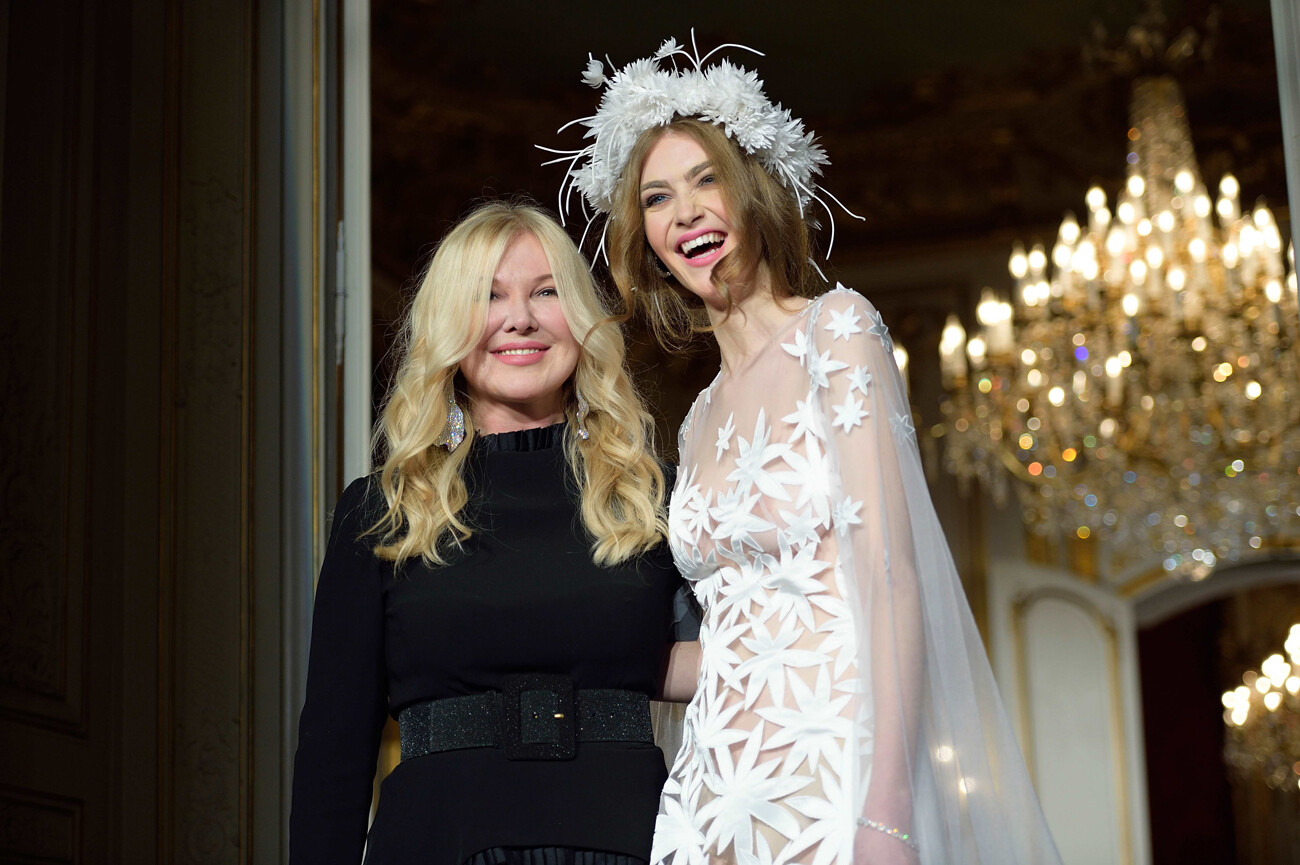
644	94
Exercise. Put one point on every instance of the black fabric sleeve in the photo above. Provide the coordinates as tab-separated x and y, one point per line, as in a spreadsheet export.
347	695
686	615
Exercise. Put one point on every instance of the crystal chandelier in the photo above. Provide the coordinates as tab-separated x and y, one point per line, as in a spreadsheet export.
1144	389
1263	719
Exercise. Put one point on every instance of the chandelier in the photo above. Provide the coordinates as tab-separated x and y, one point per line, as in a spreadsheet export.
1143	386
1263	719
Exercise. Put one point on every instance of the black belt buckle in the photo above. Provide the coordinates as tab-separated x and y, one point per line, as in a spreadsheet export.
538	717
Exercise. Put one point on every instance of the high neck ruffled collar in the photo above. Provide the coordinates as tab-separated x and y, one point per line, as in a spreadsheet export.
535	439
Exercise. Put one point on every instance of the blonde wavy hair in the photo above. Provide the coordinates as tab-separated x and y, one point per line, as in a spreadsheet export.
621	482
764	215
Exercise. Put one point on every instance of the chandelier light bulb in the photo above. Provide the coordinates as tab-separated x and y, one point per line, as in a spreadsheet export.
1273	291
953	338
1184	182
1136	185
1226	209
1272	237
1137	269
1262	216
1126	212
1253	390
1201	204
1272	700
1019	264
1276	668
1056	396
1228	186
1130	305
1061	256
901	359
1028	358
1114	367
1069	232
976	350
1103	217
987	312
1177	278
1096	198
1165	221
1155	257
1230	256
1037	259
1246	240
1196	249
1144	227
1115	241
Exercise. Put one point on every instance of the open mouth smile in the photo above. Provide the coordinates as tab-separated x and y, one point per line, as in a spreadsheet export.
701	248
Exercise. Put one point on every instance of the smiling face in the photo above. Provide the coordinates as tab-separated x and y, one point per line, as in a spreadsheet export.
684	213
515	375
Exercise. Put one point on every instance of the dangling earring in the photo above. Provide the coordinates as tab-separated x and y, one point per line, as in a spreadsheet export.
659	267
581	415
454	432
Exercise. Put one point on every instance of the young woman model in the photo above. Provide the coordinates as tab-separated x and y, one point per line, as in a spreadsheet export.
845	711
500	586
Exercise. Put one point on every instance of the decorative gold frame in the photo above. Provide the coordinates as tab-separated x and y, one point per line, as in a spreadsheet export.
1020	608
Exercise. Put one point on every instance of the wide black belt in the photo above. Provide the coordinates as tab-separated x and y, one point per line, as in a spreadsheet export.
533	717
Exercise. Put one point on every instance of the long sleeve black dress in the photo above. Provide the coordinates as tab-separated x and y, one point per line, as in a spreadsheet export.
523	597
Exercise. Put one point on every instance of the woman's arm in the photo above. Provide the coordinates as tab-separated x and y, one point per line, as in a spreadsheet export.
347	697
682	672
868	440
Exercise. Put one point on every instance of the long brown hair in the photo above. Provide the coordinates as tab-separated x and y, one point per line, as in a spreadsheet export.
765	217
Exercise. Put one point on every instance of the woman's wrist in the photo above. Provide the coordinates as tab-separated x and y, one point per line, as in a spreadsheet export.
897	834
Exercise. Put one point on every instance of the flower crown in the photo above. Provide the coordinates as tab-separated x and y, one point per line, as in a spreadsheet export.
643	95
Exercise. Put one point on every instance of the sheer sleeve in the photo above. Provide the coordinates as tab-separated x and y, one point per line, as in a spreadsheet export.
936	758
347	697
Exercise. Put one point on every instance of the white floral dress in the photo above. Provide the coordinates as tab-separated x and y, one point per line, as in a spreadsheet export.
799	482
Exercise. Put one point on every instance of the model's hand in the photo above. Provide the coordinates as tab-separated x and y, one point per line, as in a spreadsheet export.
871	847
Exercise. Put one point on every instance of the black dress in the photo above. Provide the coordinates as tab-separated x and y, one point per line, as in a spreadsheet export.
523	597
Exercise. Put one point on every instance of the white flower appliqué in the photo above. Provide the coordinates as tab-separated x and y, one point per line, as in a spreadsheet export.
844	324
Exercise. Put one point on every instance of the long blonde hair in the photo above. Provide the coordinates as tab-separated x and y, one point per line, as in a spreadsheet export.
621	482
764	214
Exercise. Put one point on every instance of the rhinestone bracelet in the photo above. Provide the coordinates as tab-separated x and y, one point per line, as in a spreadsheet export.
897	834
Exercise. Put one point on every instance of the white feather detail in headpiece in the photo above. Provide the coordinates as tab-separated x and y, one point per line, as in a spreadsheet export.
644	94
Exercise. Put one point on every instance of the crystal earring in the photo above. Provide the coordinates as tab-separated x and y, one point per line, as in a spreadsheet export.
581	416
659	267
454	432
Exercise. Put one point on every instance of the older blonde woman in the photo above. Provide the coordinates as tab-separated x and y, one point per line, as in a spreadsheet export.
500	586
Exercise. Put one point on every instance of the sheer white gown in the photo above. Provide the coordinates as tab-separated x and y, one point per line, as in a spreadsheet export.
842	674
